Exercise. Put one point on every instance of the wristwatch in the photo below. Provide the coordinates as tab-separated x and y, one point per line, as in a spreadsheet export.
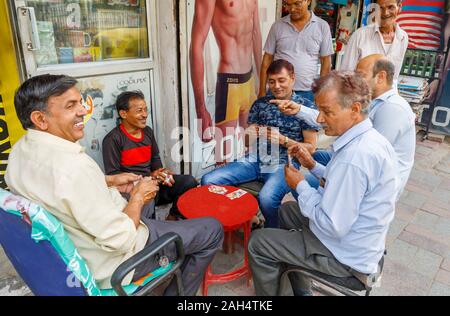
286	140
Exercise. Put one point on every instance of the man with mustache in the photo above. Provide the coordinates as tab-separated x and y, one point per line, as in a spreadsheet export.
385	37
303	39
132	147
49	167
391	115
340	228
273	133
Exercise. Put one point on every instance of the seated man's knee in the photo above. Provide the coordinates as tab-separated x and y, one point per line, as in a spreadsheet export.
256	240
269	199
215	228
219	176
209	178
285	210
205	180
190	182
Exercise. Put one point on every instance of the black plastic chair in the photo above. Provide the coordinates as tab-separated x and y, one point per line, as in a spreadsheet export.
150	251
346	286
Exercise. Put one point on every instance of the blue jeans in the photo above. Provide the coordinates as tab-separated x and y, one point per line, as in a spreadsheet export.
323	157
271	194
306	95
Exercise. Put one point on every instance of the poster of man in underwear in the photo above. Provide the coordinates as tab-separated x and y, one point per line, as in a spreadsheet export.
225	53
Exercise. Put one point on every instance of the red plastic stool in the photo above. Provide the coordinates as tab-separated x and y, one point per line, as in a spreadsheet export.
233	214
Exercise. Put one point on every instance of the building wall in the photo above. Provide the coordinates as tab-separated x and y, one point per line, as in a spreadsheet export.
10	127
167	120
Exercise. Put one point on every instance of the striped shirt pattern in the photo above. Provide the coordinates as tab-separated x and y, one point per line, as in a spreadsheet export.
423	20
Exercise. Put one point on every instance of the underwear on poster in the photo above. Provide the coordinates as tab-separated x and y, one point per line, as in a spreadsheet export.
235	93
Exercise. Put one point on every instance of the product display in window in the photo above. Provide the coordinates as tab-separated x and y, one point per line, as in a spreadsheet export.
347	23
90	30
46	55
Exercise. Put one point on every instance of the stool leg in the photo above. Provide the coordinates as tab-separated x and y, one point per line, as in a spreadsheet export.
206	280
247	230
228	246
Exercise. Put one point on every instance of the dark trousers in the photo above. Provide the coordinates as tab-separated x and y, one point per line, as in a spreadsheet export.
202	238
167	194
272	250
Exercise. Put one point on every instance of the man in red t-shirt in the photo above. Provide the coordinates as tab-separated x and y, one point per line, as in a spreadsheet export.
131	147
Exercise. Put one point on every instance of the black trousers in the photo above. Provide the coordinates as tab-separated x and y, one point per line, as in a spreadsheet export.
167	194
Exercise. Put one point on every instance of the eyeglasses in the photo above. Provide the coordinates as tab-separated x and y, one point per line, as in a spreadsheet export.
296	4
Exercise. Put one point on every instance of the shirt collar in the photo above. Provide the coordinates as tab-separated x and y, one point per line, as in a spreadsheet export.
287	19
398	31
386	95
351	134
55	141
381	99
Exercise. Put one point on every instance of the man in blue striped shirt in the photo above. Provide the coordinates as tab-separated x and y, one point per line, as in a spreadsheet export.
340	227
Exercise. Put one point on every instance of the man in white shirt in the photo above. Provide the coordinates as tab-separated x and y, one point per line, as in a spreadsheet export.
49	167
340	228
385	37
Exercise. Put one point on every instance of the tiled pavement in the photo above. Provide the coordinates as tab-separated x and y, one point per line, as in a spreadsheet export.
418	243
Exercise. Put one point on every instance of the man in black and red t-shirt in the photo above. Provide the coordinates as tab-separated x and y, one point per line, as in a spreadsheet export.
131	147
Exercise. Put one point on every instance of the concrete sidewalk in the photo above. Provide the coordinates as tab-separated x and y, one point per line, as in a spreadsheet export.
418	243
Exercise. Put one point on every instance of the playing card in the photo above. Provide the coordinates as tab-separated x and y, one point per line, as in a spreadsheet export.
168	177
236	194
217	190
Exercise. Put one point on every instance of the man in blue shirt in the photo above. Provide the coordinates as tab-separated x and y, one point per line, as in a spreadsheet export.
340	227
389	112
391	115
268	126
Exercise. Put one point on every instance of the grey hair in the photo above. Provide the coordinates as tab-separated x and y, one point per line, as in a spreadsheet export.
350	86
387	66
